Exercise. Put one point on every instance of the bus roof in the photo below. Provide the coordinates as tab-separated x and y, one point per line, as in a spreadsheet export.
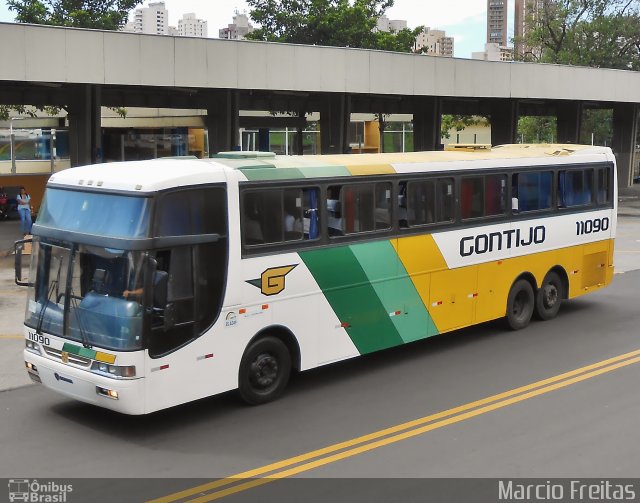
159	174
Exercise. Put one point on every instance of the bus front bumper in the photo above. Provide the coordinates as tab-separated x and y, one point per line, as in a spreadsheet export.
122	395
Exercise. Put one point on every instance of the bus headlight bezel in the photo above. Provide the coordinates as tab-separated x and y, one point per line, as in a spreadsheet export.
114	371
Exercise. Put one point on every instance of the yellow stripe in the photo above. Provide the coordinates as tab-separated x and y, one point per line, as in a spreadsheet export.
105	357
408	434
544	384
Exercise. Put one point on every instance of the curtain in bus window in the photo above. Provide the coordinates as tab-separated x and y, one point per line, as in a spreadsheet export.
575	187
472	203
495	194
313	213
533	191
421	202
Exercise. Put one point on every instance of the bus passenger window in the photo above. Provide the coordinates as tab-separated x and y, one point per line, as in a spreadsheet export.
444	202
575	187
421	202
532	191
495	193
361	207
604	185
471	197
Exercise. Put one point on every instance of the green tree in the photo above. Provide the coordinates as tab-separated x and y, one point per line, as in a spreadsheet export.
533	129
595	33
98	14
337	23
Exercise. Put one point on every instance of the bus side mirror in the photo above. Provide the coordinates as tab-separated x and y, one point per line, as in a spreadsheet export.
20	248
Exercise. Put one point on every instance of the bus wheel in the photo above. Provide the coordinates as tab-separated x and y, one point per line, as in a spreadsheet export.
264	371
549	296
520	304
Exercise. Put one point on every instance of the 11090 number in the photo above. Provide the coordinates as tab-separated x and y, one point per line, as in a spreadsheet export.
593	225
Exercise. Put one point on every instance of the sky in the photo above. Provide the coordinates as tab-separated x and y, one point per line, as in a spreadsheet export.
465	20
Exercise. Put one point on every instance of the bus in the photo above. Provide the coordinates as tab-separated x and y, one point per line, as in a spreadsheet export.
155	283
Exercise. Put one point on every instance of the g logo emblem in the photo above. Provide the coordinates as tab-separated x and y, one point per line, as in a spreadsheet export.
271	281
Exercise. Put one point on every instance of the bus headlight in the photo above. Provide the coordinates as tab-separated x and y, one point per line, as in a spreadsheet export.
34	347
109	393
117	371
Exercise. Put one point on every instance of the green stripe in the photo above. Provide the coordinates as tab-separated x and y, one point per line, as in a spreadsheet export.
395	290
271	173
324	171
352	297
80	351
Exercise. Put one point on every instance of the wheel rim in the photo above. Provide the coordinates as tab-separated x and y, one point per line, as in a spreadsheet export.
550	295
520	305
263	372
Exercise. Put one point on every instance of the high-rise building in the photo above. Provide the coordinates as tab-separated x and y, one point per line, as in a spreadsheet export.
190	26
526	12
497	22
238	29
434	43
153	19
494	52
390	25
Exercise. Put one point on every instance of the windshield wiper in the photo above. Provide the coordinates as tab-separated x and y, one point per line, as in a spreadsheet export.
54	285
81	329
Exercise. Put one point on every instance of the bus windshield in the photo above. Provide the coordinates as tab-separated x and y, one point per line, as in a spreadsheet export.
110	215
87	294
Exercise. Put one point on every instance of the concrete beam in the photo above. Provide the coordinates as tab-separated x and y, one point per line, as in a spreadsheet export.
504	121
569	116
85	134
427	119
625	130
335	115
223	121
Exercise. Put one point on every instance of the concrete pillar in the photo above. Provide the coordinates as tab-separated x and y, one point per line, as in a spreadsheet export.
85	129
335	115
504	121
569	116
427	118
625	129
222	121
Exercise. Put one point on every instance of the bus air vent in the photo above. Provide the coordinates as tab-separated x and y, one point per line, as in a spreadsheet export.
467	147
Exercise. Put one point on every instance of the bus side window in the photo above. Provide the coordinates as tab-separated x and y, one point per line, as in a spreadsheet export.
604	185
444	203
495	193
471	195
575	187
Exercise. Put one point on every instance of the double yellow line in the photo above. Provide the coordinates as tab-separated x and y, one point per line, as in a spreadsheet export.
314	459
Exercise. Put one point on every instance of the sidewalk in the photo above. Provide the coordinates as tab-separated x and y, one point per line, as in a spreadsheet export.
9	233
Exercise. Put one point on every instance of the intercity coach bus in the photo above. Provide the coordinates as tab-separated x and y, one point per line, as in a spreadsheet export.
155	283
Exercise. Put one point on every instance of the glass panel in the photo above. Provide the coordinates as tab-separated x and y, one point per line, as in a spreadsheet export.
383	206
575	187
102	214
444	208
495	188
421	202
604	185
192	212
357	203
532	191
293	215
471	197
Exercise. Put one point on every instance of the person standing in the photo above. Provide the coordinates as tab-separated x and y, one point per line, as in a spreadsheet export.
24	210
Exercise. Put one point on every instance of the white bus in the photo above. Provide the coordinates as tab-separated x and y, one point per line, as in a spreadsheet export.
159	282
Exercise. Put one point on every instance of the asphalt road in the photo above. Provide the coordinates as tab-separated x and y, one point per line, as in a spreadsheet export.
584	429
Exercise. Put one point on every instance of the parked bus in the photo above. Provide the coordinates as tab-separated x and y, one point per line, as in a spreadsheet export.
159	282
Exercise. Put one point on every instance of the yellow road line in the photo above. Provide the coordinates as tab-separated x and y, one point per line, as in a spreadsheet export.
393	434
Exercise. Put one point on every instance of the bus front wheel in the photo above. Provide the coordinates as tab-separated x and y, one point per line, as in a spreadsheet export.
520	304
264	371
549	296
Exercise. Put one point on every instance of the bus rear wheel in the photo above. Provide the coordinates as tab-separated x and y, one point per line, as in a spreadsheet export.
264	371
549	296
520	304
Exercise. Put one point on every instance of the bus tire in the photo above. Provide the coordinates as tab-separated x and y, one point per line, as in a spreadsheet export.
520	304
264	370
549	296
